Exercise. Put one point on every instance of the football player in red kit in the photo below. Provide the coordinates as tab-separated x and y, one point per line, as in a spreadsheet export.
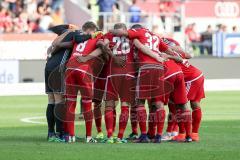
78	77
194	81
173	78
152	69
120	82
148	69
99	90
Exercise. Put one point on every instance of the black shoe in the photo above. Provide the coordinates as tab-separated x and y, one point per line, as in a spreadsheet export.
143	139
51	137
151	137
132	137
188	139
158	139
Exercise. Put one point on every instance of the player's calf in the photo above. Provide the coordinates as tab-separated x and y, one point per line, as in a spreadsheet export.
196	120
109	118
88	117
123	119
183	116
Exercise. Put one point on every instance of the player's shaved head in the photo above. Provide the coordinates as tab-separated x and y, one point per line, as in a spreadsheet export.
89	26
120	26
137	26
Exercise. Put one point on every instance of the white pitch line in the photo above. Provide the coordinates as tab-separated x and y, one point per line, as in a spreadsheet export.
32	120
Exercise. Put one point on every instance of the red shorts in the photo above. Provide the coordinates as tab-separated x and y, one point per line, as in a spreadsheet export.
99	88
178	94
195	89
121	82
77	80
121	86
114	69
150	84
100	85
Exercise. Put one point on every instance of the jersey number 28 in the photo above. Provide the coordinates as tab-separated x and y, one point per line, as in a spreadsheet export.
122	45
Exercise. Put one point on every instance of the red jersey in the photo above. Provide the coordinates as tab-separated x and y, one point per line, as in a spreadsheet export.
121	47
171	69
82	49
150	40
190	72
170	41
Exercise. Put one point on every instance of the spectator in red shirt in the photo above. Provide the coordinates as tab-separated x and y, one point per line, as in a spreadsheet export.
193	38
192	34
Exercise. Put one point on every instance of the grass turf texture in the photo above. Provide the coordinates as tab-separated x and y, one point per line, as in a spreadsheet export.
220	138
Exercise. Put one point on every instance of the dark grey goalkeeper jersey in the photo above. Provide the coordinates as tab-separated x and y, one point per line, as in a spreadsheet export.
60	56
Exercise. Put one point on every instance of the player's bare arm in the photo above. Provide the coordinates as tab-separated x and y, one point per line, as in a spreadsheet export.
104	46
65	45
175	58
92	55
57	44
54	46
147	51
179	49
106	49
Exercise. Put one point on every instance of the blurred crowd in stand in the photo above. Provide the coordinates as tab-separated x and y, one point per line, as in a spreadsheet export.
203	41
27	16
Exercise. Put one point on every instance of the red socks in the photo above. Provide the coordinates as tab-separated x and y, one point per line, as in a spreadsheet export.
88	116
123	119
184	121
160	118
196	119
70	116
109	120
181	127
98	116
171	117
188	122
133	118
151	123
142	118
114	119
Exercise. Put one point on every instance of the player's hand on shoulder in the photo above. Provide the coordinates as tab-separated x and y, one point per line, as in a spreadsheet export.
96	34
82	59
178	59
185	62
50	50
161	59
107	49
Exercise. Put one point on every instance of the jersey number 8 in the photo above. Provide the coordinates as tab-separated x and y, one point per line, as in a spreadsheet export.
81	46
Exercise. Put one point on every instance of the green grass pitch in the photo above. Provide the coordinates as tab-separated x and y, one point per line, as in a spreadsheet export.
220	135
